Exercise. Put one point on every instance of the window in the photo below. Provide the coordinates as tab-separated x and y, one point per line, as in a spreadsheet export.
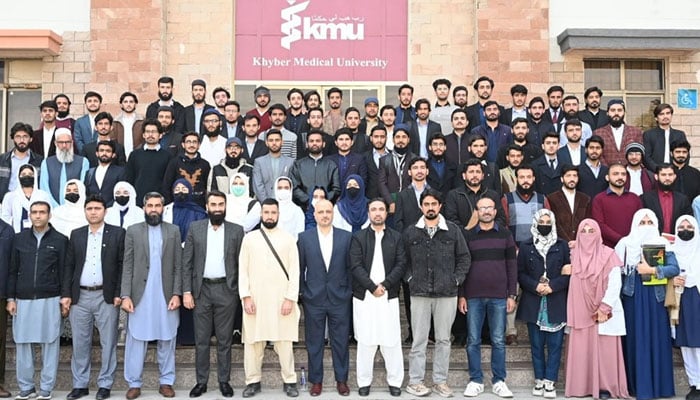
20	95
640	83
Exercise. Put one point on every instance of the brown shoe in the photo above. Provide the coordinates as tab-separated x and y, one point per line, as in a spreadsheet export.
511	340
316	389
343	388
4	393
133	393
166	391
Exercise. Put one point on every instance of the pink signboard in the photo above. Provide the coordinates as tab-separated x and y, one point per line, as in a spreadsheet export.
321	40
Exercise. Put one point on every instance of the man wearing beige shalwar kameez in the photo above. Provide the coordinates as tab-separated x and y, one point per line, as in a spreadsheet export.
269	300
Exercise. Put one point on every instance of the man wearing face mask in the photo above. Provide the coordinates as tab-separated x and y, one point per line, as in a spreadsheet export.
124	212
154	245
666	203
210	289
15	206
233	163
71	214
213	147
21	154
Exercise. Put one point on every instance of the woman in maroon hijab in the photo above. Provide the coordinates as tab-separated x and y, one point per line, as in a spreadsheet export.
595	317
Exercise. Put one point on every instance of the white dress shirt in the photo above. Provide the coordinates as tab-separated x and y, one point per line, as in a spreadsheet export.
326	244
92	269
214	266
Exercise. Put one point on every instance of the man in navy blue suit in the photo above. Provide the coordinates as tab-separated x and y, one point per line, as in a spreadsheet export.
327	293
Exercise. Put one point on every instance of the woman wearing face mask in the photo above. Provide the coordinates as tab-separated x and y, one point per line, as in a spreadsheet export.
291	217
647	346
242	209
124	212
316	194
15	205
71	214
687	251
183	210
544	281
595	319
350	213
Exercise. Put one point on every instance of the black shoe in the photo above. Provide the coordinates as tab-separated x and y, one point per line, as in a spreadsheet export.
363	391
77	393
236	337
694	394
103	394
225	389
290	389
66	341
198	390
394	391
251	389
604	395
408	340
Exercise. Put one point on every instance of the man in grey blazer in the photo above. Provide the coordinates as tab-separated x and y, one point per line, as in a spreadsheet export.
210	286
269	167
150	291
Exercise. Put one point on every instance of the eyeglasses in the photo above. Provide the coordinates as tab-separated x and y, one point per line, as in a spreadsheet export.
191	141
211	121
64	141
486	208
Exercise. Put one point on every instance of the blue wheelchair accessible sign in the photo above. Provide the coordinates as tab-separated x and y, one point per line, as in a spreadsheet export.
688	98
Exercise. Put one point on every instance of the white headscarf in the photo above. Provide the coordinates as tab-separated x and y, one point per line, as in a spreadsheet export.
134	213
629	248
688	253
543	243
291	218
238	208
69	216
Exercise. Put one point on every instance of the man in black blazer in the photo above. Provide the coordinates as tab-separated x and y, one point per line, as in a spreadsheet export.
657	141
377	139
442	173
665	179
573	152
548	167
252	146
193	121
408	210
94	262
325	286
210	288
419	143
592	172
102	178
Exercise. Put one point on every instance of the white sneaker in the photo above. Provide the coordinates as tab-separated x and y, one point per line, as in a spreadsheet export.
473	389
500	389
550	392
538	390
418	389
443	390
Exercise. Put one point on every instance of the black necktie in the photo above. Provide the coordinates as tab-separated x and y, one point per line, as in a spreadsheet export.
551	164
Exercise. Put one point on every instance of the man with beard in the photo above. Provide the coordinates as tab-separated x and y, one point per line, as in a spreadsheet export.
271	166
232	125
387	115
592	172
457	142
548	166
334	118
213	147
171	138
617	135
165	98
62	167
478	149
360	141
460	96
522	203
147	164
657	141
296	117
190	166
221	96
314	121
592	115
377	139
475	112
518	93
554	113
537	125
43	138
441	172
128	125
688	181
570	206
278	115
312	99
102	178
210	288
103	127
393	168
437	261
460	204
442	112
408	210
254	148
422	129
348	161
639	178
155	245
268	285
405	113
193	114
371	118
497	135
21	154
514	158
233	163
63	118
572	152
262	103
666	203
614	208
570	110
313	171
521	136
84	131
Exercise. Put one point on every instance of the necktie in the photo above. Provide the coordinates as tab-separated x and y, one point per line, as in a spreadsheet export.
555	114
551	164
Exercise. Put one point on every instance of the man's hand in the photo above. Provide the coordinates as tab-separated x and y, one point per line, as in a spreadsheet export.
510	305
287	307
392	208
462	305
379	291
11	308
65	306
188	301
116	301
174	303
566	269
127	304
249	305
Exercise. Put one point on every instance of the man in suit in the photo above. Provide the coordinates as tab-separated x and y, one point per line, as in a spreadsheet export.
572	152
442	173
42	142
84	131
254	148
518	94
165	99
569	214
664	196
657	141
192	114
548	166
497	135
393	168
102	178
377	139
554	114
593	115
570	109
172	136
151	252
422	129
210	287
348	162
475	112
271	166
408	210
327	292
103	128
232	126
592	172
94	262
617	135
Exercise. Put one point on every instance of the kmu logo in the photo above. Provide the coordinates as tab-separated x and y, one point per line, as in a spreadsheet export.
336	27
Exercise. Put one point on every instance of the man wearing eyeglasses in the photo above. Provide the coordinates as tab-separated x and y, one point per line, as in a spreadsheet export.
62	167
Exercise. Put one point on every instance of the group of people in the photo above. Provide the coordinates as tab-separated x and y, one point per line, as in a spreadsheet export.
198	221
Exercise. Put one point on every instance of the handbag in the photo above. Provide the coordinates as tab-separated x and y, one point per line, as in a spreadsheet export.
274	252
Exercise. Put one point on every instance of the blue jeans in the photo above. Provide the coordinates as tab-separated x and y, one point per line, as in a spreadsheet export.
495	310
546	367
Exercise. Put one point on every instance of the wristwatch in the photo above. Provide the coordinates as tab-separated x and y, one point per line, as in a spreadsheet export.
514	297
